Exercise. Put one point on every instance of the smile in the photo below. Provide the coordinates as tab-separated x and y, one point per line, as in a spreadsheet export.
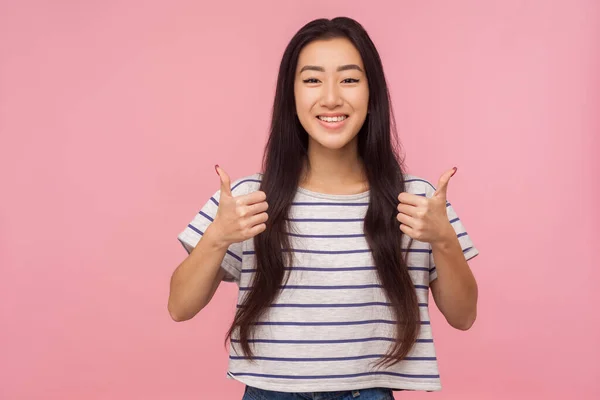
333	123
338	118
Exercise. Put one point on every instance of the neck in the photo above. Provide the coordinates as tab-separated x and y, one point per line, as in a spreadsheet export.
334	171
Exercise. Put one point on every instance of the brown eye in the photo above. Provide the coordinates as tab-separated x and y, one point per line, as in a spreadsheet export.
310	80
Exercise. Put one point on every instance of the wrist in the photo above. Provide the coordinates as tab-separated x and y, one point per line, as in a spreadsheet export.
446	239
214	236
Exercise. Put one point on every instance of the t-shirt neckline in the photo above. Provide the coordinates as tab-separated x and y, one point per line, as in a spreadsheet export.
334	196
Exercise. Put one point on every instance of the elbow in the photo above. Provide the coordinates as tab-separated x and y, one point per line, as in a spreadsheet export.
175	316
178	314
465	323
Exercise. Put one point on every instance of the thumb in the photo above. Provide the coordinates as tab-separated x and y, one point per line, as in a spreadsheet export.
225	182
442	189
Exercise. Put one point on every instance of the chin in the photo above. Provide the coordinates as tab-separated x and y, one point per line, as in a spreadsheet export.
333	141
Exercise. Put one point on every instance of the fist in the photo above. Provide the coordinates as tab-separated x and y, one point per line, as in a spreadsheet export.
239	218
426	219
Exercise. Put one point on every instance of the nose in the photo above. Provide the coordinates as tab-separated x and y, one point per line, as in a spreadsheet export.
331	97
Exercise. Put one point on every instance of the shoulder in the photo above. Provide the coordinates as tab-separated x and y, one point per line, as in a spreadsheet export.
246	184
417	185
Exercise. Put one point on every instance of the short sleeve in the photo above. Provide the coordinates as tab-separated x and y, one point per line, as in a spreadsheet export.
468	248
193	232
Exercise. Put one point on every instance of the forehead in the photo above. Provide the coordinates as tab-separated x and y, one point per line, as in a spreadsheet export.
330	54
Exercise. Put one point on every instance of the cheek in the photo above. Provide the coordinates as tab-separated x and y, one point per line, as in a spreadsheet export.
305	100
304	106
360	100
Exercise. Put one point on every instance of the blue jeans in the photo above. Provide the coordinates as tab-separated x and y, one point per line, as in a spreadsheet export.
253	393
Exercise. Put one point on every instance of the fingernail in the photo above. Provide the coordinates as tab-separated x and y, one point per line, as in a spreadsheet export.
455	169
216	170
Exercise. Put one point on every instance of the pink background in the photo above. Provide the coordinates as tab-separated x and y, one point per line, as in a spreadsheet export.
112	115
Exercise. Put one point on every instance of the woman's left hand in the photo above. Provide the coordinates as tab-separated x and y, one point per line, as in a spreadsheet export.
426	219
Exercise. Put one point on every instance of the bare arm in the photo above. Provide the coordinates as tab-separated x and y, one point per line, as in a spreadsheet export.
196	279
455	289
426	219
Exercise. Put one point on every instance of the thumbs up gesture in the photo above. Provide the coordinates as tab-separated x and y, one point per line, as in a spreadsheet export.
426	219
239	218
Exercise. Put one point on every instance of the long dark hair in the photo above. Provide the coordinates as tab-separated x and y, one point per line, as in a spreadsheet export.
283	161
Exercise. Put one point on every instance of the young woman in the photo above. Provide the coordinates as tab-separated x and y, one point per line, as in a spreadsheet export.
334	247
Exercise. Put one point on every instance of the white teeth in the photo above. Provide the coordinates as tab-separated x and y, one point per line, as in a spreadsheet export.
333	119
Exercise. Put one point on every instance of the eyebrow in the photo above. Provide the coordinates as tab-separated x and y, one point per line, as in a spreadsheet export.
339	69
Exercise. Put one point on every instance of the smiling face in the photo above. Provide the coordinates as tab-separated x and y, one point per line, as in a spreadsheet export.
331	92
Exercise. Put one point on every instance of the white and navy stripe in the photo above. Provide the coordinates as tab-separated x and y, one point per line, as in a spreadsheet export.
331	320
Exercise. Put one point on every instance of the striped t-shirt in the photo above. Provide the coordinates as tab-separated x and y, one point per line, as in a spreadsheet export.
332	321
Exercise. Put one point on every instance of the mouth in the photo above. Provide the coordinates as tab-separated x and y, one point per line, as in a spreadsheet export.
333	119
333	122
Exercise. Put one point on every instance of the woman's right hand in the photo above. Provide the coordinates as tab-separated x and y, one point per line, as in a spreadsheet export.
238	218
